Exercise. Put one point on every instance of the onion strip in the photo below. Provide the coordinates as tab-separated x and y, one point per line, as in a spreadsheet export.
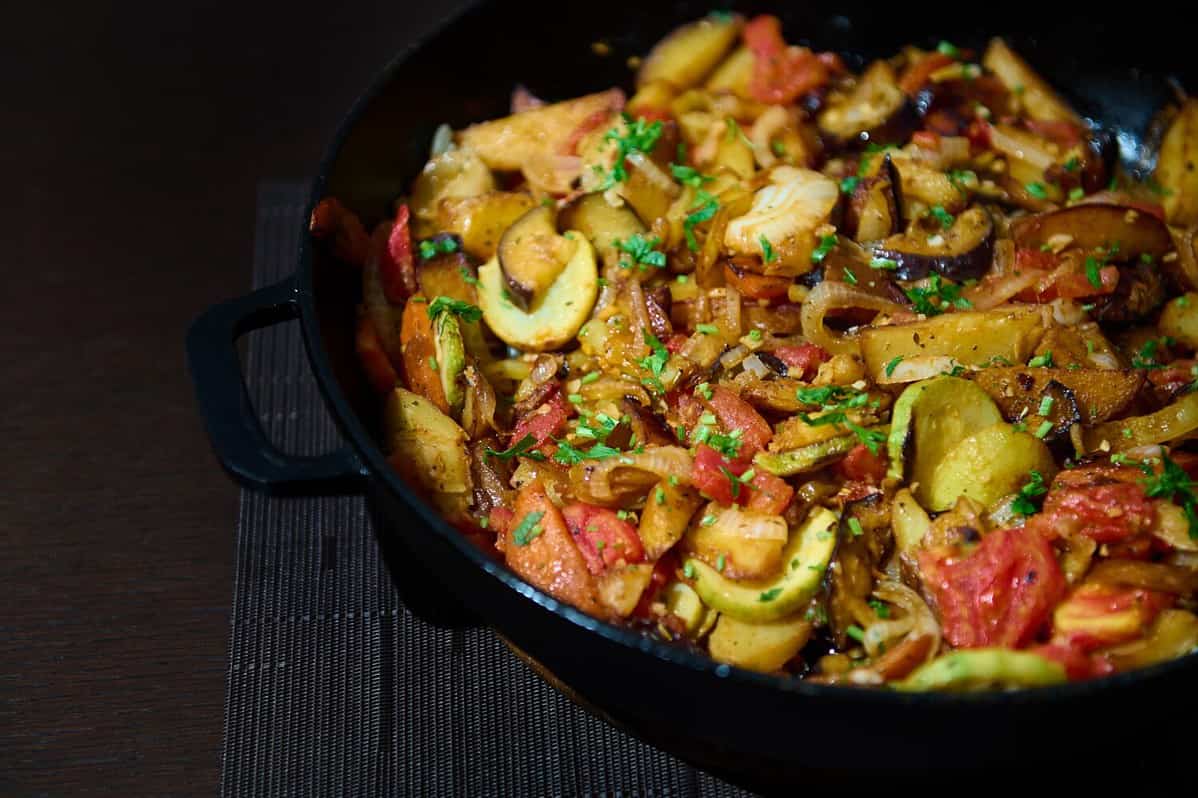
832	295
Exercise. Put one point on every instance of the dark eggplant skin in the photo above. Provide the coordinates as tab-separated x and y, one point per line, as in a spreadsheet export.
1137	297
969	261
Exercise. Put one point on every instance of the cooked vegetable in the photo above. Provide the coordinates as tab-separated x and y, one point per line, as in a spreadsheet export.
986	466
556	318
765	646
754	358
685	57
929	419
985	668
429	450
1177	166
961	338
804	560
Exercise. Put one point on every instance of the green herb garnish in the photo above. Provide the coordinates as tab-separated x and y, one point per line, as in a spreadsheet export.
463	310
528	529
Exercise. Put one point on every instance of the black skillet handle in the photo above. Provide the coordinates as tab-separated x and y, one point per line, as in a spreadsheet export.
240	443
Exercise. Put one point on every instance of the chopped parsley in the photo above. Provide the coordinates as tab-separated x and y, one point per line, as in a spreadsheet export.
771	594
463	310
688	570
1046	405
654	363
880	608
826	245
949	49
590	377
767	250
1035	486
568	454
467	276
639	136
1076	193
855	528
431	247
707	329
642	251
1094	271
708	520
778	148
703	210
941	215
1175	484
888	264
849	277
836	401
1037	190
1146	357
1073	164
528	529
689	175
1043	361
521	448
892	365
720	562
596	427
1042	430
849	184
659	496
855	632
704	390
936	297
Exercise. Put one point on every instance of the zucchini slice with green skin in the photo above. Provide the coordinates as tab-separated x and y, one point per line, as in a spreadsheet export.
451	360
980	668
810	458
988	465
804	561
929	419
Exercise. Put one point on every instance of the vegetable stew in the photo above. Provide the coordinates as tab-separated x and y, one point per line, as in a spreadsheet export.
883	379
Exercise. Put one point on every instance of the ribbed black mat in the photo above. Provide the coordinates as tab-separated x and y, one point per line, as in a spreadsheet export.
334	688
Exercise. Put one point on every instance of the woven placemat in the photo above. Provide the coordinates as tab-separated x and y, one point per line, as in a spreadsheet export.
333	687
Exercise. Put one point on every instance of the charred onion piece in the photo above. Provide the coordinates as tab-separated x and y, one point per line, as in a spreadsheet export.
962	252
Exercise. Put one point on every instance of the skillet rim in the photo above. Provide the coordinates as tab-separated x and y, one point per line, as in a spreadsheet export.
376	468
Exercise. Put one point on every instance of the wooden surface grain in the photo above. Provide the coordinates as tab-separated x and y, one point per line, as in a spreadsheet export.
134	137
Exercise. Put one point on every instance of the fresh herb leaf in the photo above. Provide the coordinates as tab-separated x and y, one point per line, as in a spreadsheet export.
467	276
521	448
949	49
431	247
1146	358
642	250
1037	190
826	244
1076	193
937	297
1042	430
638	136
849	277
941	215
880	608
655	362
528	529
1035	486
887	264
1046	405
767	250
855	528
1175	484
1043	361
567	454
892	365
849	184
704	209
689	176
1094	271
707	329
855	632
463	310
771	594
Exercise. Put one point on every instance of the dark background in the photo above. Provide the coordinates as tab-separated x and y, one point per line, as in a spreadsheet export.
133	139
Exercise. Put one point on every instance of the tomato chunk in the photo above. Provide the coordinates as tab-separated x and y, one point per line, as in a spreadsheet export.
1110	513
804	360
663	571
780	73
397	268
1000	594
862	465
543	423
768	494
1078	664
735	413
713	475
602	537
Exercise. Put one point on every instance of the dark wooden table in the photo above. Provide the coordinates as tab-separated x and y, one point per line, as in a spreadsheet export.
135	134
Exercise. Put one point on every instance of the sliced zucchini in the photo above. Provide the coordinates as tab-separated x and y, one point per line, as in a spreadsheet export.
812	457
986	466
804	560
554	320
451	360
980	668
971	338
764	647
929	419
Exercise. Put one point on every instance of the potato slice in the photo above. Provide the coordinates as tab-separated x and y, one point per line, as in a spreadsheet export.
621	588
1039	99
453	174
531	255
480	221
686	55
733	74
663	523
1179	319
764	647
741	544
429	450
1177	166
987	466
1099	393
507	144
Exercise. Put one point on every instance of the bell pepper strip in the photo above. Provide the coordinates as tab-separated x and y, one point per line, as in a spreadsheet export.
382	375
419	355
999	594
781	74
604	539
331	219
397	266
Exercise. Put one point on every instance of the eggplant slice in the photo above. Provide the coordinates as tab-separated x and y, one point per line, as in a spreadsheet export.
962	252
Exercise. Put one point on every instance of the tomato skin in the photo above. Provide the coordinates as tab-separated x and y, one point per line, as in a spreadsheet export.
978	134
1000	594
1027	258
712	482
805	359
374	360
768	494
602	537
543	423
675	343
755	286
397	268
1078	665
780	74
735	413
1111	513
663	571
862	465
1064	281
926	139
499	520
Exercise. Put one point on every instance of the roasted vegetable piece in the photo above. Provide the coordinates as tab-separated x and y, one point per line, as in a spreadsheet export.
531	255
909	521
986	466
374	360
1100	393
1037	97
620	588
812	457
786	213
450	356
804	560
454	174
1177	166
1096	615
876	110
605	540
508	144
557	317
969	338
983	669
1178	420
688	54
603	223
420	362
865	539
664	521
964	251
1094	226
1179	320
1174	634
764	647
429	451
740	544
540	549
480	221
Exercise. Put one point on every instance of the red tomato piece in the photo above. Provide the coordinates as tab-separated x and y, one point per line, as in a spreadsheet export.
397	267
978	134
1027	258
768	494
780	74
663	571
1000	594
918	74
862	465
603	538
499	520
735	413
374	360
711	475
1066	282
1078	664
675	343
926	139
804	360
543	423
1110	513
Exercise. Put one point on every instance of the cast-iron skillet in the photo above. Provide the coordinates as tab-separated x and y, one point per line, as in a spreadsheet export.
758	730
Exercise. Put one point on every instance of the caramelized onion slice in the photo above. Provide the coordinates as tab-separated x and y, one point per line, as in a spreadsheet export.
831	295
613	481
